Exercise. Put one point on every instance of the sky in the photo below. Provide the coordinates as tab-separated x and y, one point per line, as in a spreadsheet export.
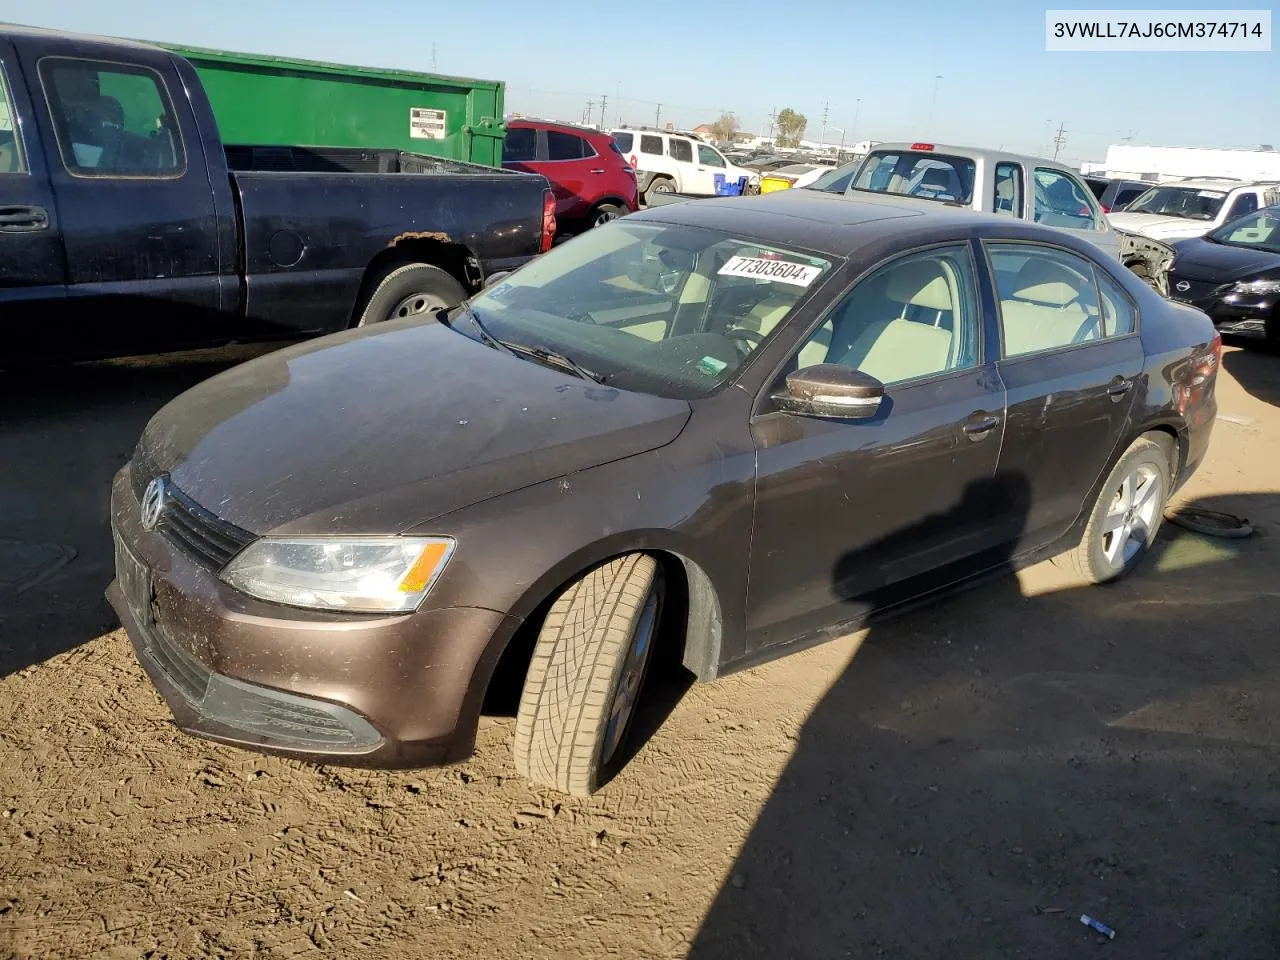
999	87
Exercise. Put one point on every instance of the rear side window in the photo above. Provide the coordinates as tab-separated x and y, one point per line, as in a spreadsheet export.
520	146
930	176
566	146
112	119
623	142
650	144
681	150
11	158
1061	201
1126	196
1009	189
1244	205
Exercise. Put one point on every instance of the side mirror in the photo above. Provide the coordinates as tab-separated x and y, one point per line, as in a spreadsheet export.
831	391
496	278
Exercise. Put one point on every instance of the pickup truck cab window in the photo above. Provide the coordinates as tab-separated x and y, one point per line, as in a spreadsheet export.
1062	202
1009	189
11	158
112	119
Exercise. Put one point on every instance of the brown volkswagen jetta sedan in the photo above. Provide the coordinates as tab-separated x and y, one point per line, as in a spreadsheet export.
723	428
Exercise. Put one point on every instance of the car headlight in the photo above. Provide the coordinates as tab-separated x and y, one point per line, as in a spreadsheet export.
356	574
1257	288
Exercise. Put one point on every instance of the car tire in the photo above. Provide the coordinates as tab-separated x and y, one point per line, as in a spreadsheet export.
658	185
1127	514
588	669
606	212
411	289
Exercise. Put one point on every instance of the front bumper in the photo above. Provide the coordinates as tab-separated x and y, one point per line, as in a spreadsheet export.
392	691
1247	315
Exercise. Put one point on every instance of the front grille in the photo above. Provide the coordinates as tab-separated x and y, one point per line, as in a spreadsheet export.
188	674
1196	291
197	532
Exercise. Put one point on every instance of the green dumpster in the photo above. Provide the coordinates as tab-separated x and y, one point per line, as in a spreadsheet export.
260	99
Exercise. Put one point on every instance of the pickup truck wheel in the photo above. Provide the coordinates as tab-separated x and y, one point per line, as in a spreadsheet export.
606	212
411	289
587	671
659	185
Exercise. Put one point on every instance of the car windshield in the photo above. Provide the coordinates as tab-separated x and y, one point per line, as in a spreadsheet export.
1189	203
908	173
1257	231
669	310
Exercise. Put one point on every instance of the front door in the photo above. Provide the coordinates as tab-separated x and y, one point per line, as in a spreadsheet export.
1071	362
134	196
850	513
710	166
32	268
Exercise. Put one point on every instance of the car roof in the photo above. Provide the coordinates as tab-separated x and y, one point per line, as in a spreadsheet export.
21	30
1206	183
974	153
832	225
533	123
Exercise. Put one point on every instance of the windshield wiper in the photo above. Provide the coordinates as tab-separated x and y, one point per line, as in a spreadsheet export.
552	358
485	335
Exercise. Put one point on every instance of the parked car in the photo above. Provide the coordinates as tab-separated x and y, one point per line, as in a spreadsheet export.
1193	207
127	227
677	163
593	458
592	181
785	177
1114	195
1233	274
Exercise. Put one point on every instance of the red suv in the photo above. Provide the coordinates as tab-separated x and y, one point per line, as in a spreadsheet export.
591	180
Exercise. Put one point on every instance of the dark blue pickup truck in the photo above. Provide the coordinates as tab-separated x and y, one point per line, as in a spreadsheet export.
127	226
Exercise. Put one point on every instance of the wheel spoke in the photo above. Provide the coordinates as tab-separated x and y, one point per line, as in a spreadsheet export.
1126	494
1113	522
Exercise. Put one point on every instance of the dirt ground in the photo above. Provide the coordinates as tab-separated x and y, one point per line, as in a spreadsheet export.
962	782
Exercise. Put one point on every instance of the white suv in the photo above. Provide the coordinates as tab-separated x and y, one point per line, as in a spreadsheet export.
1192	207
677	163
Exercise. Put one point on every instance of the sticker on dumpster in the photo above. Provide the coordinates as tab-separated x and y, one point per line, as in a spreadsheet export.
783	271
427	124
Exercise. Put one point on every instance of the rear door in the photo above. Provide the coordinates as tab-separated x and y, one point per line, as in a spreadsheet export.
1071	361
134	194
569	165
691	179
32	267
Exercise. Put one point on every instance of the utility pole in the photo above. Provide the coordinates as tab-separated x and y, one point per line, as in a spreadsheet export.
826	108
586	114
604	100
1059	141
433	58
657	117
773	122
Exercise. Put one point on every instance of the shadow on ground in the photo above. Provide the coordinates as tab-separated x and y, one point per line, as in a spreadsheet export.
986	770
1256	367
64	432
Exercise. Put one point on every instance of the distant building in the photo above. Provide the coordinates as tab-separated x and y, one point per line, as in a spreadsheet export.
1170	163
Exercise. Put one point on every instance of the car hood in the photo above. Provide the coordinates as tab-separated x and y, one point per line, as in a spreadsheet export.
1221	263
377	430
1158	227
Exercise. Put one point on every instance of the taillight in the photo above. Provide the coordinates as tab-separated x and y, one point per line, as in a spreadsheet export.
548	220
1106	209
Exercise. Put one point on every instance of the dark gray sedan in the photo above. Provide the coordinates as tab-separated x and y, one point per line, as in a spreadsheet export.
725	428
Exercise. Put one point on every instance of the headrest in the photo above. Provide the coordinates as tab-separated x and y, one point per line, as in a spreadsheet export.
1047	281
921	284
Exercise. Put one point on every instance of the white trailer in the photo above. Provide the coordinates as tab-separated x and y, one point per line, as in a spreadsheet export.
1171	163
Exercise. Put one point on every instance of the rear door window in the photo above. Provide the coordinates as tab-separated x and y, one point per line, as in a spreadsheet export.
1009	189
11	158
565	146
520	145
651	144
681	150
1062	202
624	141
112	119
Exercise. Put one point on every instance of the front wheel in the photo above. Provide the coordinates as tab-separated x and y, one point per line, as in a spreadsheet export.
410	290
588	668
1126	516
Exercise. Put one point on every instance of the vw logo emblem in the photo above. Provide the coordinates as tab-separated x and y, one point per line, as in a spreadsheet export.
1182	286
153	499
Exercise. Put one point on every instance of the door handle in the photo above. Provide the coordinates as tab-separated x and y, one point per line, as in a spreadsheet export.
14	219
979	426
601	170
1118	387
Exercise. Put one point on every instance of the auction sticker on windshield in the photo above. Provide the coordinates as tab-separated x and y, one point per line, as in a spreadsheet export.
783	271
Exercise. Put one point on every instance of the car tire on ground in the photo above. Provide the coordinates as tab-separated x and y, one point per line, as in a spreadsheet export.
659	185
411	289
1126	516
588	668
605	212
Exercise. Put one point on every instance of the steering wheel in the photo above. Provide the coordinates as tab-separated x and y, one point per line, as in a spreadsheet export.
1082	334
745	340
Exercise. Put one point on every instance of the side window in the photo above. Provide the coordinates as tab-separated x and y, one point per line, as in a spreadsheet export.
1049	299
1009	189
915	317
1244	205
681	150
520	145
564	146
112	119
708	157
11	158
623	141
1126	196
1061	201
1118	314
650	144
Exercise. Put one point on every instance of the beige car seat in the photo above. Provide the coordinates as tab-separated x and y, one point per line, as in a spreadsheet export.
1046	309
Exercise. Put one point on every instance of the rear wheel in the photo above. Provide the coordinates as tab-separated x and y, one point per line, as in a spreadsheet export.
1127	514
659	185
588	668
411	289
606	212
